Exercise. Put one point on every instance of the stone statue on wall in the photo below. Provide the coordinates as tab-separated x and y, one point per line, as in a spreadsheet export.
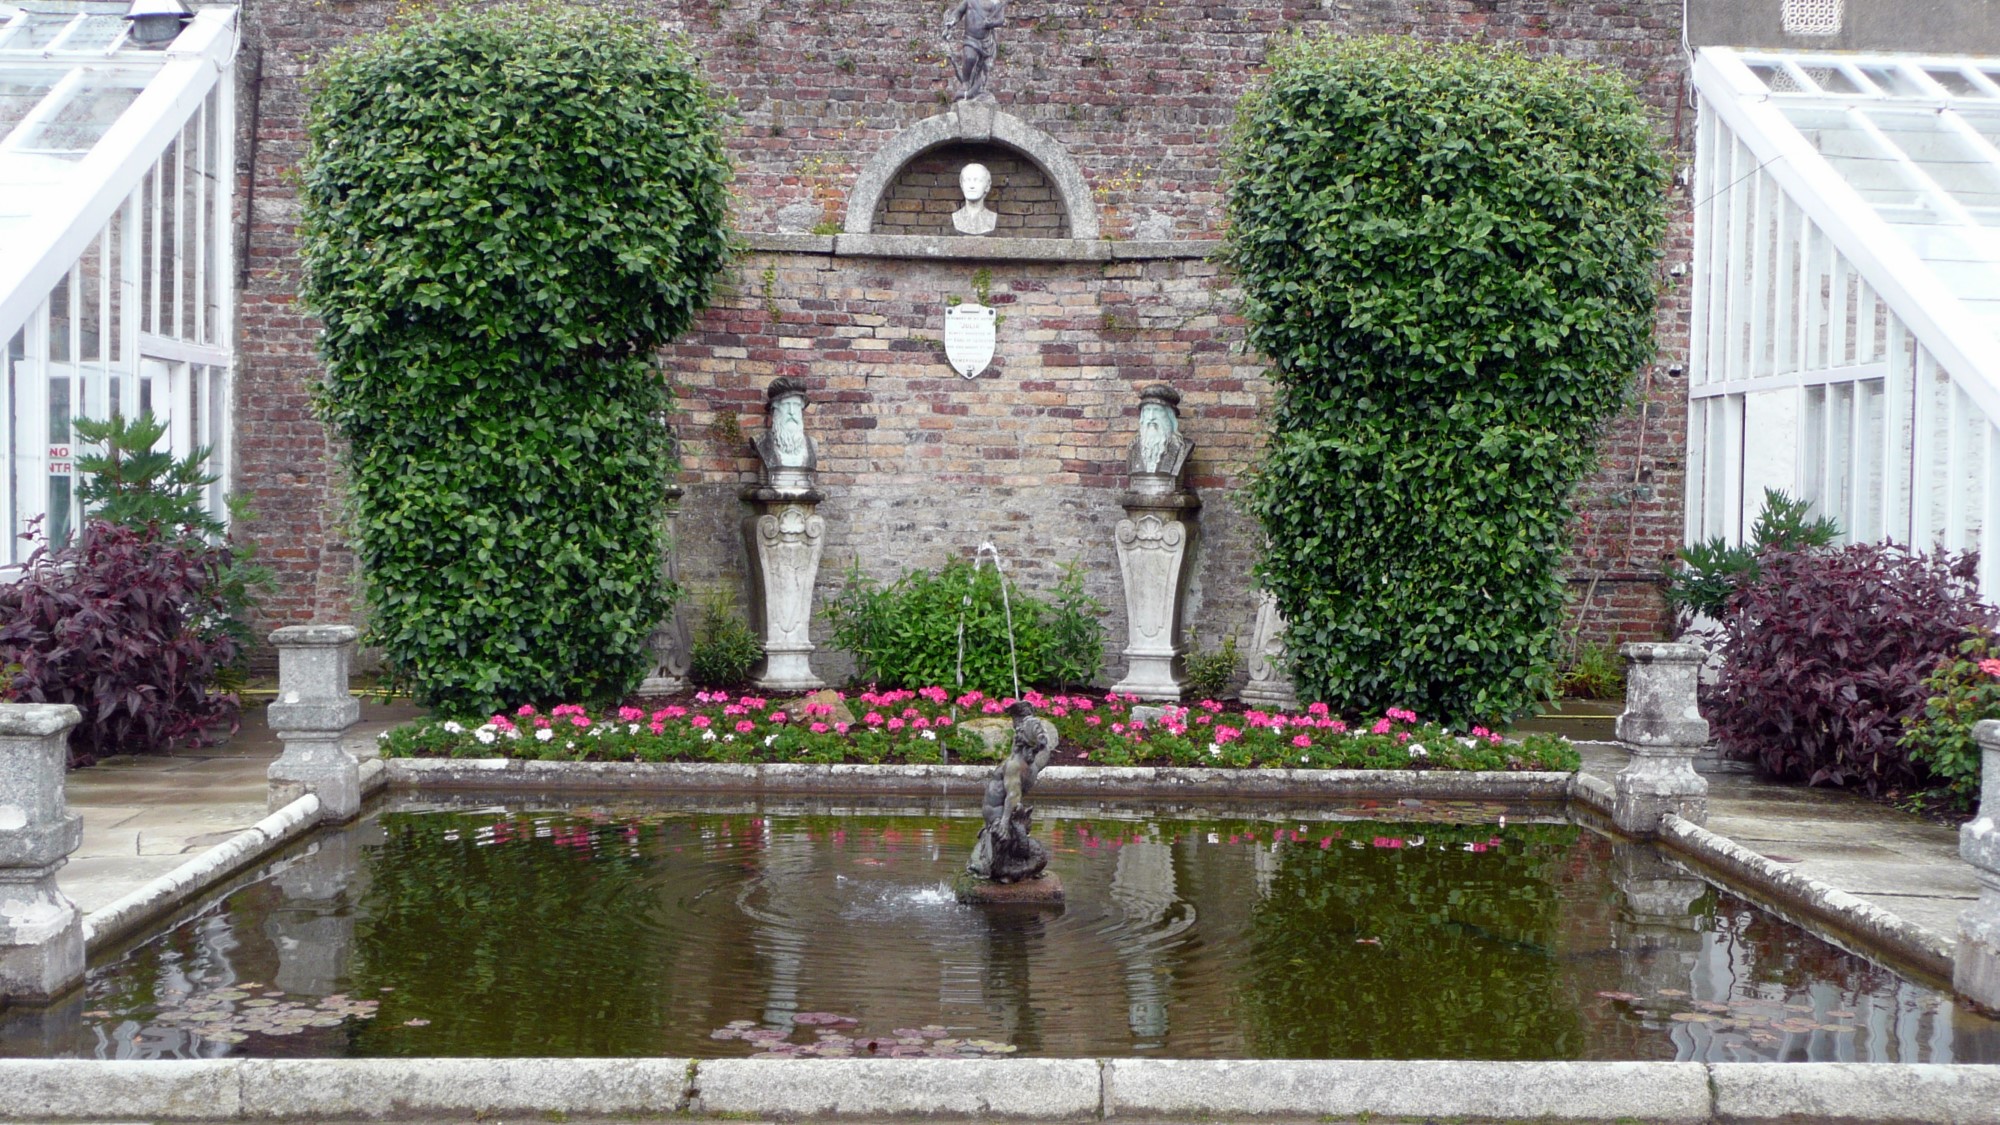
979	36
1006	852
785	444
975	181
1159	451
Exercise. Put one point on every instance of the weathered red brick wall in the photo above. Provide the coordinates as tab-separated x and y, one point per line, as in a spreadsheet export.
922	465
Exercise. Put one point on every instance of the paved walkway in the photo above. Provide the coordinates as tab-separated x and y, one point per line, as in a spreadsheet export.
1893	860
144	815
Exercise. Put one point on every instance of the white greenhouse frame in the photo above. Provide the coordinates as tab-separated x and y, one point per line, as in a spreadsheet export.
1844	342
116	271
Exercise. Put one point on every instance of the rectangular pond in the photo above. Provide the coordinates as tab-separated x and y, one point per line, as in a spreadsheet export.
802	929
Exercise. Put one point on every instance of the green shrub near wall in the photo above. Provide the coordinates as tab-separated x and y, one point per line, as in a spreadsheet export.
506	211
1448	255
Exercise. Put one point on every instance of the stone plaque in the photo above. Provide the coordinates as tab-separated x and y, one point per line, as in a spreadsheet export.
969	335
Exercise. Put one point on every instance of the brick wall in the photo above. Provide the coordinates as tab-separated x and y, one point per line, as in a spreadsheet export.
921	464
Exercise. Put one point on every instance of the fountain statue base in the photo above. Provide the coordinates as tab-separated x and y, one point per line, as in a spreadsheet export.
1046	891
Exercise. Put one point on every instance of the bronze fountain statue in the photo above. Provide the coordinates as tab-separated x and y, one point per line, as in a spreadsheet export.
1007	856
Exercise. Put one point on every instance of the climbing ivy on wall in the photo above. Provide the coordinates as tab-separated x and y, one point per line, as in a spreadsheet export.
505	213
1448	255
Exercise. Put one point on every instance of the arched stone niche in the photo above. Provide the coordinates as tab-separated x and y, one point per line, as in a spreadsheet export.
981	127
925	193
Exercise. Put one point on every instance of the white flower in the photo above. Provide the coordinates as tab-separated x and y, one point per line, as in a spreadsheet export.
1215	749
544	735
769	739
1417	750
1470	743
929	736
632	728
728	738
708	736
569	743
451	727
383	735
485	736
514	734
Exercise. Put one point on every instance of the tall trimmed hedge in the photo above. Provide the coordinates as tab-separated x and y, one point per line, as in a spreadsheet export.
506	212
1448	255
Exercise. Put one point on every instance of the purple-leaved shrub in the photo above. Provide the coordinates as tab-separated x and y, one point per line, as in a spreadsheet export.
1825	654
126	624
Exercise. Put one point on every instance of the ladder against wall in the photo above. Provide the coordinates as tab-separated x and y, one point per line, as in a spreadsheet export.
1845	337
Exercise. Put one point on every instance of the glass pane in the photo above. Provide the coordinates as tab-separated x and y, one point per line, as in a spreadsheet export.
17	348
20	93
58	525
59	318
59	411
97	33
81	120
42	29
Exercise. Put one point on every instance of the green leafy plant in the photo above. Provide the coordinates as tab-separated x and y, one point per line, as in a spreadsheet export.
505	211
1596	671
907	634
1206	672
1964	689
725	650
1704	575
1448	254
129	480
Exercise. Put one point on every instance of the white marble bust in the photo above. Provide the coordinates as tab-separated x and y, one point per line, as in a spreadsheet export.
975	182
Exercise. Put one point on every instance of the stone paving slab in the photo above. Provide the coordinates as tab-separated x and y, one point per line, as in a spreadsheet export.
145	815
1895	861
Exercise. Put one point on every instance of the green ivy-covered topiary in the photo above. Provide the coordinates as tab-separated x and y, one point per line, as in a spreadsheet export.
506	211
1448	255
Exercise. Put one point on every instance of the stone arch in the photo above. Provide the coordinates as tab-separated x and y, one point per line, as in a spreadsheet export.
978	123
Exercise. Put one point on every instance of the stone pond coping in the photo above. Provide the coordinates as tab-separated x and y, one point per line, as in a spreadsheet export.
1021	1089
1164	782
198	877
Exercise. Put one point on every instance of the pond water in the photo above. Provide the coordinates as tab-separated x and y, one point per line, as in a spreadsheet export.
1366	931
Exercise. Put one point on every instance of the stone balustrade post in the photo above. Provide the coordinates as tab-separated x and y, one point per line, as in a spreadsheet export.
1663	727
41	930
1270	685
312	713
1976	969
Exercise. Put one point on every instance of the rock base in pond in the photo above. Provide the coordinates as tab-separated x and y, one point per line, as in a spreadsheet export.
1046	891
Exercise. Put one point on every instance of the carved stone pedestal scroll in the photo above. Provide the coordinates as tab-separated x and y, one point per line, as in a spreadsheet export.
41	932
1663	727
1153	543
1270	687
787	535
1976	969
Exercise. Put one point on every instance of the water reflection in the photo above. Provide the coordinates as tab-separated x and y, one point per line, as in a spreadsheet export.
1357	932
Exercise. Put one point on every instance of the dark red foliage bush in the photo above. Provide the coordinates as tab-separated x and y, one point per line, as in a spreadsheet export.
1824	658
125	624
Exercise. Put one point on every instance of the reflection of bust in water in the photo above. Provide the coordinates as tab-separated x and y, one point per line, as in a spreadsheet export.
973	218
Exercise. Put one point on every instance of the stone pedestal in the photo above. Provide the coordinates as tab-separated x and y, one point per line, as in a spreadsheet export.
1152	542
1663	727
1045	892
311	714
41	931
1270	686
672	643
787	536
1976	970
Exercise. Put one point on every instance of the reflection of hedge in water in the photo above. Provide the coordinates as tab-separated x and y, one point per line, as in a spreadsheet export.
442	925
1402	952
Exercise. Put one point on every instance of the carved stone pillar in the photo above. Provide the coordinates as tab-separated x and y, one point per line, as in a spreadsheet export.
1663	727
41	931
311	715
1976	969
1270	687
672	643
787	536
1153	542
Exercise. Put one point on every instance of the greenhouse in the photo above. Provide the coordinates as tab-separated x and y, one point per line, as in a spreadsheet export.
1845	341
116	276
